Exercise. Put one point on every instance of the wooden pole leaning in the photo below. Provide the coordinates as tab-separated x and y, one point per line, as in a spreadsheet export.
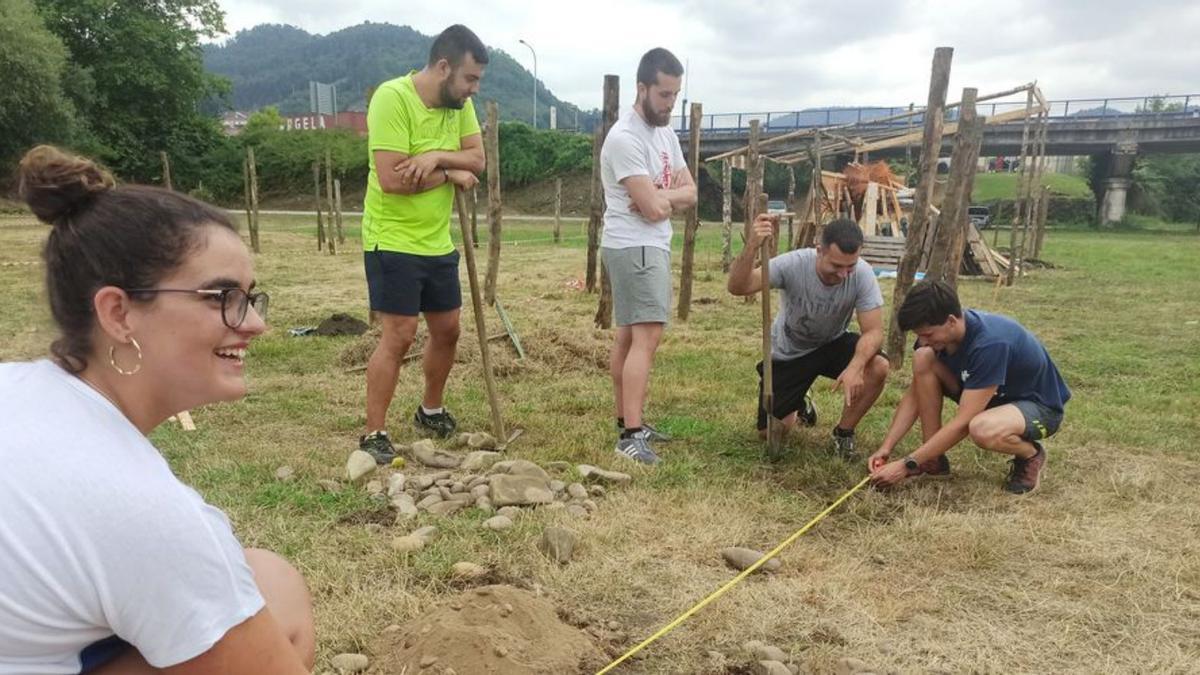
468	246
766	247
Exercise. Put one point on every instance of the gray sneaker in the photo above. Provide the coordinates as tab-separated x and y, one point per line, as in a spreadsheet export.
654	435
843	446
637	447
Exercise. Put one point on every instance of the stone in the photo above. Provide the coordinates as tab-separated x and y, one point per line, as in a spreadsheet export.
431	490
498	523
742	558
423	482
481	440
853	666
590	505
485	504
596	490
458	487
428	501
408	544
395	484
427	661
359	466
374	487
557	486
330	485
428	533
350	663
446	508
464	497
461	440
476	481
481	491
599	475
558	544
426	453
558	467
444	482
577	511
445	492
553	507
510	512
524	467
520	490
771	668
577	491
467	571
285	474
765	652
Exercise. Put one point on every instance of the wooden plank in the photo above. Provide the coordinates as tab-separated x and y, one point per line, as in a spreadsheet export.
491	141
868	222
185	421
509	329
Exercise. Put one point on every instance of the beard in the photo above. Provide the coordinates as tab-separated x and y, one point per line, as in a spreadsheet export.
653	118
447	97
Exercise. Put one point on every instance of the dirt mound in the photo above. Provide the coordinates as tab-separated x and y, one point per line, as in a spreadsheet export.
492	630
341	324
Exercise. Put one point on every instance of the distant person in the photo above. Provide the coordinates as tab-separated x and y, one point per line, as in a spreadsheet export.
111	565
424	141
1010	395
645	181
822	289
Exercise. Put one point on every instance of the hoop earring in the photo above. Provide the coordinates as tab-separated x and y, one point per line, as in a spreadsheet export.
112	361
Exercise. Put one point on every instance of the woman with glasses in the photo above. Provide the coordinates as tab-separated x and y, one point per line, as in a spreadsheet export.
109	563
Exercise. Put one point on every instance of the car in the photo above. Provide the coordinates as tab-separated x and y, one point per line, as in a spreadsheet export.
981	216
776	206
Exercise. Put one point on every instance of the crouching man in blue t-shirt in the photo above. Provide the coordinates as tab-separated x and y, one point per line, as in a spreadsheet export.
1010	396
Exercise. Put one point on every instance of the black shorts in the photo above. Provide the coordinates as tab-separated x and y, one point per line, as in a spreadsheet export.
1040	421
792	379
407	284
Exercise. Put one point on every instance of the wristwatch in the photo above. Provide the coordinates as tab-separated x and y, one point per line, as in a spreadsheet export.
911	466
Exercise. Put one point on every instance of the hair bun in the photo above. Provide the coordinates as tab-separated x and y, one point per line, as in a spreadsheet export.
56	184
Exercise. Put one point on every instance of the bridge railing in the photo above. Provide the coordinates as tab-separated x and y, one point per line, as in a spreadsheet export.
1067	109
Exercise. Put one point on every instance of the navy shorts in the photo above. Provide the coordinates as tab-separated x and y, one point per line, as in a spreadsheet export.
407	284
1040	421
100	654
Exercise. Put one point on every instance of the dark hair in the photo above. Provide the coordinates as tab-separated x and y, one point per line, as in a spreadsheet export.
128	236
454	43
845	233
929	303
655	61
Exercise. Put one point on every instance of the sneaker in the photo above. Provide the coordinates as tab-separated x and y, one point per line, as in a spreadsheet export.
938	467
1026	473
654	435
378	445
637	447
808	416
843	446
440	424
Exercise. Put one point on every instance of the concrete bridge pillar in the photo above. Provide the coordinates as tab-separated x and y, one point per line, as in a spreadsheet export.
1116	186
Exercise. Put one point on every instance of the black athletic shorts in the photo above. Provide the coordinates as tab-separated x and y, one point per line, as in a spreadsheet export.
407	284
793	378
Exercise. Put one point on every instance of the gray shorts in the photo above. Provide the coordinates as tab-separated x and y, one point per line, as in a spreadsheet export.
641	284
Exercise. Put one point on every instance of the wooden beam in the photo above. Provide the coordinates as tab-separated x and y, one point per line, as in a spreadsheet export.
485	360
1022	195
596	210
726	215
693	218
491	150
329	199
604	308
954	204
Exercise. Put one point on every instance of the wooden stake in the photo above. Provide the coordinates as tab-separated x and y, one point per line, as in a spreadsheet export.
337	209
316	167
475	215
913	249
253	166
768	395
791	205
1041	226
558	210
246	192
950	238
166	168
612	93
1014	256
477	309
604	309
693	218
753	180
329	199
492	150
726	215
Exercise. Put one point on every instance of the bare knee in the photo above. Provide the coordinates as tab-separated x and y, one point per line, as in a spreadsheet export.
924	361
985	432
445	336
396	341
878	369
287	597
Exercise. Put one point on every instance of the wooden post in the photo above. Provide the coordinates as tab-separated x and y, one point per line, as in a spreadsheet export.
166	168
1043	211
1014	256
951	231
316	167
604	309
492	151
612	92
753	180
693	218
253	166
818	189
768	396
611	96
246	192
337	209
477	310
1039	167
475	216
791	205
558	210
930	144
329	199
726	215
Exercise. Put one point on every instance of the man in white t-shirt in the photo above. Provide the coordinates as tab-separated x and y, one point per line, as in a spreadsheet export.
645	181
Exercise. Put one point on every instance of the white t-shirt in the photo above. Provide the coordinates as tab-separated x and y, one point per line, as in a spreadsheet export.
634	148
98	537
812	314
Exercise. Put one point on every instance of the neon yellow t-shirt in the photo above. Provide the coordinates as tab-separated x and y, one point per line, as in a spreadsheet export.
398	121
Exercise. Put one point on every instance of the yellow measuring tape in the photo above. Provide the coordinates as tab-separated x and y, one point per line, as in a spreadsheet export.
736	580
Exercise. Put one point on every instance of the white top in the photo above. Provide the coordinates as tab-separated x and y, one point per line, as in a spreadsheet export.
98	537
634	148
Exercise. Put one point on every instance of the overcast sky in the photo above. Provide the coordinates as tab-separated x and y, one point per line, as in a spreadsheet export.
758	56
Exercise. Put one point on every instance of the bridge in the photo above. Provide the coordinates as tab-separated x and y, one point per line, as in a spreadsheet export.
1114	129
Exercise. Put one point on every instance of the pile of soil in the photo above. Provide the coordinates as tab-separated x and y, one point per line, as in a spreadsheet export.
491	630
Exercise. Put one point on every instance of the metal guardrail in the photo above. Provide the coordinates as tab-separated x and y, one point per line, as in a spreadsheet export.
1070	109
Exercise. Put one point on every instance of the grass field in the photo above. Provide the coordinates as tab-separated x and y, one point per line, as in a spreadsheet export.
993	186
1096	572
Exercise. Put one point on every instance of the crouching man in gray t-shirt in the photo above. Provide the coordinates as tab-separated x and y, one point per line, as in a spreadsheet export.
821	287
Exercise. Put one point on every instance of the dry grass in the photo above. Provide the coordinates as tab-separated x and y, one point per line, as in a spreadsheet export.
1096	572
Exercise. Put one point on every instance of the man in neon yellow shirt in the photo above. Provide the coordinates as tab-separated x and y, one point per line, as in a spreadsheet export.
424	142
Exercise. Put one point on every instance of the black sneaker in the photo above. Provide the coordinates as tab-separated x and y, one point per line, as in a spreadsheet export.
808	416
843	446
378	445
440	424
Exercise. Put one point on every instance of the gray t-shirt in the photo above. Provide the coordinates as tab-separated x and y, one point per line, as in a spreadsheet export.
812	314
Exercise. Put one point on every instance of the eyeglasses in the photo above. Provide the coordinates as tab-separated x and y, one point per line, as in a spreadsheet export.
234	301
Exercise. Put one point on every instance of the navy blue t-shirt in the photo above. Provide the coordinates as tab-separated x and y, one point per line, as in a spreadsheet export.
999	351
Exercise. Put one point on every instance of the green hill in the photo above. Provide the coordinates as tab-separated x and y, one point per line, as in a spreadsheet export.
272	64
995	186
